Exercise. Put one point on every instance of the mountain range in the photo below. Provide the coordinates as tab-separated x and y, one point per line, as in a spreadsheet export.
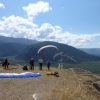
70	54
4	39
10	46
95	51
24	49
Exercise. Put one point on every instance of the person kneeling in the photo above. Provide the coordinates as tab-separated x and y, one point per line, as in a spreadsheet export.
25	67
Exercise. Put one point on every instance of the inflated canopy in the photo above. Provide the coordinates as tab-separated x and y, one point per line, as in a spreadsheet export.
47	46
61	53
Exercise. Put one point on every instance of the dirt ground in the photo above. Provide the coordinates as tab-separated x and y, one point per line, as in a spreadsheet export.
35	88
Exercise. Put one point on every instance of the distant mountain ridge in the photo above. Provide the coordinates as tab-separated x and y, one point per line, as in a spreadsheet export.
11	49
24	49
48	53
10	46
95	51
4	39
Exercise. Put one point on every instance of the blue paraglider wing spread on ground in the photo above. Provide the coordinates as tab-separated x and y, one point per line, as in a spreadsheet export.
21	75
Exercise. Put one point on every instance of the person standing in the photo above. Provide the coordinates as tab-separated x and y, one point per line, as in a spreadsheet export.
6	63
31	64
48	65
40	63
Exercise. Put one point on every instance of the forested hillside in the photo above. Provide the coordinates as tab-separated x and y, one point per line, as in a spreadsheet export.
11	49
48	53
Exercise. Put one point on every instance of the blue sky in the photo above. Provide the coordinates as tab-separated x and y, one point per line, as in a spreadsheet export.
72	22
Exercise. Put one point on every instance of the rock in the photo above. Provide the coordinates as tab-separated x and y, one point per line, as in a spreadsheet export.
97	85
88	82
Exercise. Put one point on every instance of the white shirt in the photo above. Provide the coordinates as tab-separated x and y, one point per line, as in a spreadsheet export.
40	60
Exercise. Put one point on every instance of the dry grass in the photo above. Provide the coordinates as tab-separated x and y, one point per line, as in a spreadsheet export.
68	86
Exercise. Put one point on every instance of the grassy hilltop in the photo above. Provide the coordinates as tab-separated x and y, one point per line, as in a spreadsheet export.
70	85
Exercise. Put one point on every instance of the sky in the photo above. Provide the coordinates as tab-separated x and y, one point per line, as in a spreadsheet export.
72	22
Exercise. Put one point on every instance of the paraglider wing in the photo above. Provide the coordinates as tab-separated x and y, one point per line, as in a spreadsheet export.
61	53
47	46
71	58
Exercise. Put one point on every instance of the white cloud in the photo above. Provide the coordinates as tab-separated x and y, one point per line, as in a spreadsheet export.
16	26
48	32
4	34
2	6
32	10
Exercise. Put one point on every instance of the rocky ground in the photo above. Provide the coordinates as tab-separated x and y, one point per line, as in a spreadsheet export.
46	87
